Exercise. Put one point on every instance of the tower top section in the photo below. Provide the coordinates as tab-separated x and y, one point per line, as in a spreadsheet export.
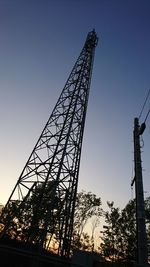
92	39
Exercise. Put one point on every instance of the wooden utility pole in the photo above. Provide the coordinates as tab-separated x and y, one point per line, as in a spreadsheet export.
142	255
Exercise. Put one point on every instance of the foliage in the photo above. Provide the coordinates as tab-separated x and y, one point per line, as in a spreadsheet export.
28	221
111	233
87	207
128	231
24	220
119	233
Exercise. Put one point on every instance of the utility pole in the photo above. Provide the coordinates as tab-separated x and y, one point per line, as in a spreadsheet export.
142	255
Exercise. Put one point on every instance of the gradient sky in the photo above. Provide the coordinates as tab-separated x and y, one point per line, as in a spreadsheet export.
40	41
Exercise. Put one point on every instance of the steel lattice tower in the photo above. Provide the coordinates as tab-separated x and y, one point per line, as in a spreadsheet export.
41	206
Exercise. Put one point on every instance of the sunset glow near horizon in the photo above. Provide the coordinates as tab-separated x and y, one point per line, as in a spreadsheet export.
39	44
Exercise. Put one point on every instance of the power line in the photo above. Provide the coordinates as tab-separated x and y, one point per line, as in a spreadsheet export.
147	116
144	105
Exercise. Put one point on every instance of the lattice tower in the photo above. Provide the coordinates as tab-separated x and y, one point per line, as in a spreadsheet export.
40	209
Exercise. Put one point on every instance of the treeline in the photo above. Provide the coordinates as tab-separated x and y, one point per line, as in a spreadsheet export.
115	240
117	237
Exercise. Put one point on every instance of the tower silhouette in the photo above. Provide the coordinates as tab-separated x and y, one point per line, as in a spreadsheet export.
40	209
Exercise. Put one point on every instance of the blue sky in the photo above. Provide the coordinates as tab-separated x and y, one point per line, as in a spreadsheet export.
40	41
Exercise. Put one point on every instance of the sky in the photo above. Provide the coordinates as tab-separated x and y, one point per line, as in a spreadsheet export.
40	40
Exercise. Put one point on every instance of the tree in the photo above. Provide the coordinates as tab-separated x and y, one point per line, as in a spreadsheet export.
128	231
95	222
119	233
111	242
28	224
88	206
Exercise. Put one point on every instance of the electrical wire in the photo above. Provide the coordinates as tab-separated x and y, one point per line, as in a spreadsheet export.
144	105
147	116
